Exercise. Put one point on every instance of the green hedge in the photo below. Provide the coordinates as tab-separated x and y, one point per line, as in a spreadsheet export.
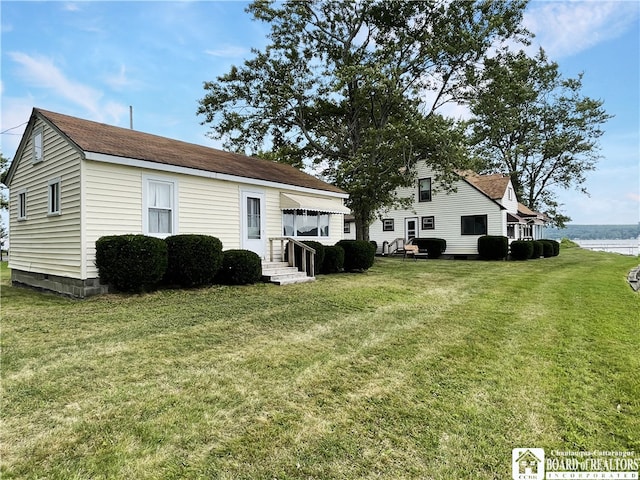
435	247
550	248
333	259
359	255
521	249
537	249
131	263
239	267
493	247
194	260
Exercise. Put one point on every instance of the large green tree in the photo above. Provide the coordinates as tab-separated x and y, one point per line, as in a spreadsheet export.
353	88
538	127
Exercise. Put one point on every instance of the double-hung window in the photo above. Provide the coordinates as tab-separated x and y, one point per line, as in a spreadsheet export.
159	216
424	190
54	197
387	225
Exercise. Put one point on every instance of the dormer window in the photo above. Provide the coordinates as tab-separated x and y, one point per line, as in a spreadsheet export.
38	149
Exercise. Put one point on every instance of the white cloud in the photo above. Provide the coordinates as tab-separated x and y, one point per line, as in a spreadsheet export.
71	7
119	80
567	28
228	51
41	72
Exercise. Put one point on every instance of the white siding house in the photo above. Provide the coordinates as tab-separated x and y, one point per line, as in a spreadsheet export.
73	181
478	205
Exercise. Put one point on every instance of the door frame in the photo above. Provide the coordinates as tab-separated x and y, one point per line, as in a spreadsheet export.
406	227
258	246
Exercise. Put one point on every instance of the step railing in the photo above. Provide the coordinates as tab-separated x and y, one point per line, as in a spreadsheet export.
395	245
308	253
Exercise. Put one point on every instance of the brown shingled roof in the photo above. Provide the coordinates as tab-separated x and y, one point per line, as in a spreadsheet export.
493	186
121	142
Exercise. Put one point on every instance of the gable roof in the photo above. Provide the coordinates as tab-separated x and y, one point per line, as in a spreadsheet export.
108	140
492	186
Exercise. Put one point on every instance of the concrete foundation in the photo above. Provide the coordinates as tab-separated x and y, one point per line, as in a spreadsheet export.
73	287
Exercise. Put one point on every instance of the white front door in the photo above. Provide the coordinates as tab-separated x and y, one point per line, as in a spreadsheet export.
253	222
410	228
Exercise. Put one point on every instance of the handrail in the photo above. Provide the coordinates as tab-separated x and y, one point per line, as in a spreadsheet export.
399	243
306	250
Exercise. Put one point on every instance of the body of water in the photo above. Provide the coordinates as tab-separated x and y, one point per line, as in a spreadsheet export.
623	247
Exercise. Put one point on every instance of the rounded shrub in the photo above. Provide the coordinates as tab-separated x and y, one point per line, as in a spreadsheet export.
359	255
193	260
493	247
333	259
435	247
537	249
548	248
131	263
521	249
239	267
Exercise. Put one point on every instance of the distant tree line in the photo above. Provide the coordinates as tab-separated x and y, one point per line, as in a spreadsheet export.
594	232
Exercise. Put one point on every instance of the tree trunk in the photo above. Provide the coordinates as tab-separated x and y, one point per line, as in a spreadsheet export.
362	228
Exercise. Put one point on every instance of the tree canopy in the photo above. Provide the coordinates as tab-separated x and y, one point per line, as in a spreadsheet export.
353	89
533	124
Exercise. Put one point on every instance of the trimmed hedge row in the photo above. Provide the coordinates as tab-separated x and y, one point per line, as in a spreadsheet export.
526	249
139	263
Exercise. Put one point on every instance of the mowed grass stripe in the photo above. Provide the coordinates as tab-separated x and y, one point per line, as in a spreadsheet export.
413	370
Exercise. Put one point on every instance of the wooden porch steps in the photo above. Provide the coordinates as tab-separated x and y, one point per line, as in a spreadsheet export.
281	273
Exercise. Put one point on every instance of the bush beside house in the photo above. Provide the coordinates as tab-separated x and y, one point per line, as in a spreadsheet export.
434	247
240	267
359	255
333	259
131	263
493	247
193	260
521	249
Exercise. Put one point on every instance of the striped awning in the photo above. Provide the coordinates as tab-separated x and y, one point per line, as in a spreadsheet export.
289	201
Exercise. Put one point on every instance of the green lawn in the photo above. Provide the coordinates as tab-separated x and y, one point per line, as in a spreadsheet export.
415	369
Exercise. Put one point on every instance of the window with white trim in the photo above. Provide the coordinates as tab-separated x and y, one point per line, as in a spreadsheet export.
38	145
305	223
388	225
159	207
22	205
54	197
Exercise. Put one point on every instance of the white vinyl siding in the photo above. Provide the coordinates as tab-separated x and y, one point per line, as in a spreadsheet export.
203	205
45	243
447	210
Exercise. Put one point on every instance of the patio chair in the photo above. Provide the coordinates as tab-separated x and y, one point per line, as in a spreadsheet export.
411	251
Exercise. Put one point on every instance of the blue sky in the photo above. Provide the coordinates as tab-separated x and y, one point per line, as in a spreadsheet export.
94	59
